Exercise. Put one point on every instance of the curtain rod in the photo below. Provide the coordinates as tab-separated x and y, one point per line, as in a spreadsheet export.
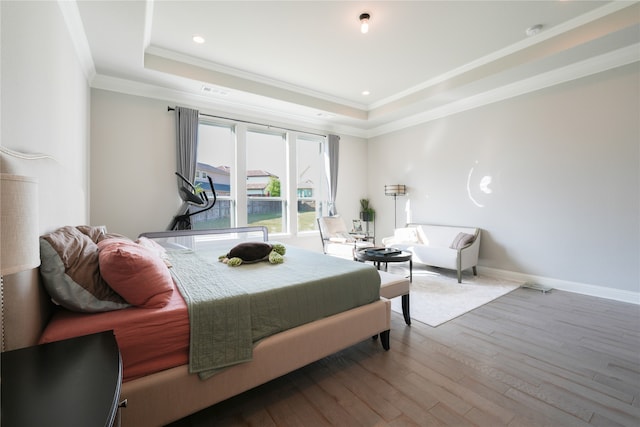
169	108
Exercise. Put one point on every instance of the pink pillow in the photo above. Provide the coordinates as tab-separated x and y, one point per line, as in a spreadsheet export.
136	273
156	248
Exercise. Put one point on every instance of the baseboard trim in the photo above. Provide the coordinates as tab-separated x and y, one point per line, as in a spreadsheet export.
564	285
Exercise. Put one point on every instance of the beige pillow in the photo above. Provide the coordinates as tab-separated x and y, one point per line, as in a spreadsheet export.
462	240
71	273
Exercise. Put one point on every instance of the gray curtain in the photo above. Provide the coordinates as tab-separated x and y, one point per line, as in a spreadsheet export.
332	171
187	121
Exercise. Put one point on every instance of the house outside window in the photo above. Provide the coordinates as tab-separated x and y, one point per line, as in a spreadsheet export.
216	151
311	181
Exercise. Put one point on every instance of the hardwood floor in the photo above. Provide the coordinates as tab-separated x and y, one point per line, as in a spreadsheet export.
525	359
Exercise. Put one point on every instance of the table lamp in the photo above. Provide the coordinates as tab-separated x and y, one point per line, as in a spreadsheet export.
19	241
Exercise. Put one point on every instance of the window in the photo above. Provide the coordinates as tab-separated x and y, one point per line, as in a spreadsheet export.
216	156
261	177
267	181
311	182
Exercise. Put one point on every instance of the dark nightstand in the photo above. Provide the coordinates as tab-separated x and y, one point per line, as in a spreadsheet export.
75	382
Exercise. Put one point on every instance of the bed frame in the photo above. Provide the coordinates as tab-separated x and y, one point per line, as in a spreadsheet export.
172	394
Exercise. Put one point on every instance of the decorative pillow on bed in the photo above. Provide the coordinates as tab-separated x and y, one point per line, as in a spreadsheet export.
135	272
156	248
462	240
71	273
251	252
99	233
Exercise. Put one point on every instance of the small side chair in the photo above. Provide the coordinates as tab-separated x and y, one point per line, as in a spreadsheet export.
336	239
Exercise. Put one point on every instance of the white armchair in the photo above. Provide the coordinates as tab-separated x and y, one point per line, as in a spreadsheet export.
336	239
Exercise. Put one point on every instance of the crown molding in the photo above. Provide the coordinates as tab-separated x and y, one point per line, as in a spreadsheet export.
241	74
223	106
280	108
548	34
598	64
71	16
614	59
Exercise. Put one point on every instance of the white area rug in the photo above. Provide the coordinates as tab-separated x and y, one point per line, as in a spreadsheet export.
436	296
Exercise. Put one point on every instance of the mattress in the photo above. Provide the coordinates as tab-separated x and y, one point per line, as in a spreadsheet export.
150	340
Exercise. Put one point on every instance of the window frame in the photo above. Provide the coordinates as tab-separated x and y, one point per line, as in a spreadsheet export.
238	195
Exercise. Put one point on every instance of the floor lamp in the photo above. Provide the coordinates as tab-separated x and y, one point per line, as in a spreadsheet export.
395	190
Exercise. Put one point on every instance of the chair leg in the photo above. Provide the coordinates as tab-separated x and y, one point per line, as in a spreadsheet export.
459	276
475	271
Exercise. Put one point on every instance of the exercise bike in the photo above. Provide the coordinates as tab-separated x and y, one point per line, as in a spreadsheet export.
191	198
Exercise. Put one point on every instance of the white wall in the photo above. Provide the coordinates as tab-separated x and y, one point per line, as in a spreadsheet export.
565	186
133	185
45	95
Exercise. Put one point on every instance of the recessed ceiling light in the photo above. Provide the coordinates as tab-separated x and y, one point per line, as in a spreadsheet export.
366	92
198	39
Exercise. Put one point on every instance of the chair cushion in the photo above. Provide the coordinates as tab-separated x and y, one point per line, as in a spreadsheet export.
333	226
342	237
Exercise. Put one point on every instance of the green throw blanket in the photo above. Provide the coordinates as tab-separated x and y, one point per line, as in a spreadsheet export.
219	316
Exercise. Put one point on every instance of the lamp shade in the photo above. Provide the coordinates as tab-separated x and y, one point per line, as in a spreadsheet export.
19	241
395	190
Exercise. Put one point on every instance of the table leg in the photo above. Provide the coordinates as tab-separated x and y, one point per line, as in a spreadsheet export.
405	298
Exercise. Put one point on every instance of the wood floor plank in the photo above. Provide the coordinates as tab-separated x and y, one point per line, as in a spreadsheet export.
527	359
544	404
613	409
360	412
354	380
449	417
409	399
325	404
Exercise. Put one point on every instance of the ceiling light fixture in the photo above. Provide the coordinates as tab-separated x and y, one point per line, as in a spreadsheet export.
366	92
198	39
364	23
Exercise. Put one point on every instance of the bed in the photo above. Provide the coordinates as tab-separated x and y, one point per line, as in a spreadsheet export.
173	392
